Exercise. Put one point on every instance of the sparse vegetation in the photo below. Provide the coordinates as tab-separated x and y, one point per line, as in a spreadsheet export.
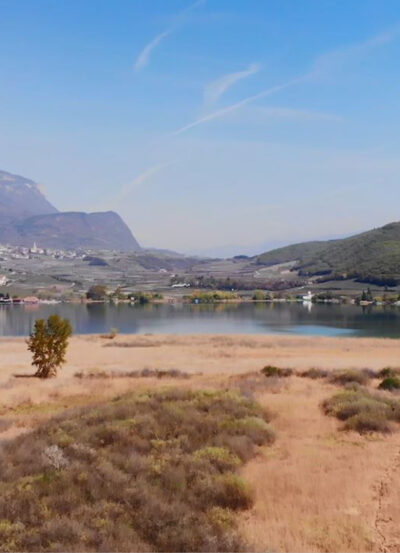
48	343
143	373
252	383
136	344
147	471
362	410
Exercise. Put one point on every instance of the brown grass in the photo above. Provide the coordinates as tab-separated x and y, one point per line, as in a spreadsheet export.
316	488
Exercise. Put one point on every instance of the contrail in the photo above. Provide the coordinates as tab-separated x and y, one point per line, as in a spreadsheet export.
214	90
144	56
234	107
143	177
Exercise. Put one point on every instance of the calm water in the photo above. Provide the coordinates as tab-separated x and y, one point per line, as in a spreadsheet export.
315	320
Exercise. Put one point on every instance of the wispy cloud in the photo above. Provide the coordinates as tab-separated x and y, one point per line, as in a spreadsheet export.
326	64
214	90
229	109
296	114
144	56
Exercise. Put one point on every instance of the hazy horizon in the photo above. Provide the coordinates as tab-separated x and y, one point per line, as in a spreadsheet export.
209	125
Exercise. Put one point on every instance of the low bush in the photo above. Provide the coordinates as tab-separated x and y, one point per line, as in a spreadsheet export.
314	373
270	370
149	471
370	373
111	335
350	376
143	373
388	372
362	410
367	422
390	383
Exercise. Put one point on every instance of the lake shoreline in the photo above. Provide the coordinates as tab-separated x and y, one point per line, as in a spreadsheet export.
251	318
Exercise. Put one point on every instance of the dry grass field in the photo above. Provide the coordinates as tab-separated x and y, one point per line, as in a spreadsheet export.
316	488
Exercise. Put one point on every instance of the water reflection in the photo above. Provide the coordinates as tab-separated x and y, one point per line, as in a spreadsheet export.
269	318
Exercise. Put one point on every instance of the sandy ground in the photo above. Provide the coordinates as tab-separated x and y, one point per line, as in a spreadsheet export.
316	488
209	353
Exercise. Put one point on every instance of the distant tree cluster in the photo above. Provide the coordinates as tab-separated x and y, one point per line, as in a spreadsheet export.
260	295
211	297
95	261
97	292
234	284
145	297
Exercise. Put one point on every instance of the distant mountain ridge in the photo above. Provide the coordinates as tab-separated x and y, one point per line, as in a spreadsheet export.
372	256
26	216
21	197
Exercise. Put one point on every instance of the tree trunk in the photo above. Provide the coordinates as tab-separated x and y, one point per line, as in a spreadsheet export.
46	372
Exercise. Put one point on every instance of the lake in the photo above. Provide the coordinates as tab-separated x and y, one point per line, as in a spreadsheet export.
241	318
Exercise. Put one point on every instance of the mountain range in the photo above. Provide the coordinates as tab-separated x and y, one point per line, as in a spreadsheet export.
372	256
26	216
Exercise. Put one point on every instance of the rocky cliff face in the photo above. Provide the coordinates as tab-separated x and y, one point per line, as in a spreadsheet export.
26	217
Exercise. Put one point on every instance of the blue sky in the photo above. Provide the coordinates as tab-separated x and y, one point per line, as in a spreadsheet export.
216	126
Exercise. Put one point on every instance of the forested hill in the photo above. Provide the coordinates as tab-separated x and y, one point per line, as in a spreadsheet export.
371	256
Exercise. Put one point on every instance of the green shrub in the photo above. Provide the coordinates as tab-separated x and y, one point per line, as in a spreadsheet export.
221	457
390	383
270	370
257	429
